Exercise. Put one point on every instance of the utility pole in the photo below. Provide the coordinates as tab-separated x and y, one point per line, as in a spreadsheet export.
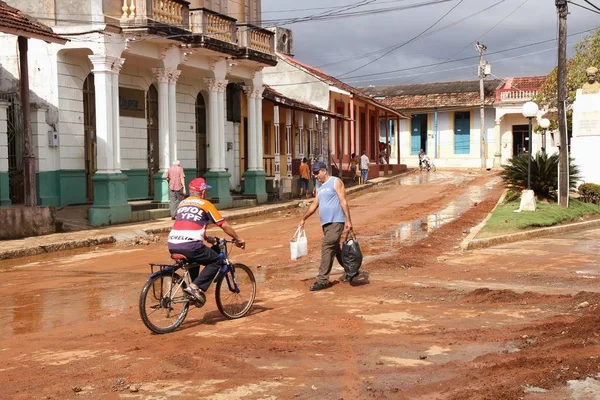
563	155
482	74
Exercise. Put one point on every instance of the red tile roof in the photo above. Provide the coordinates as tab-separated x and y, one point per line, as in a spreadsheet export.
14	22
334	81
439	100
525	82
276	97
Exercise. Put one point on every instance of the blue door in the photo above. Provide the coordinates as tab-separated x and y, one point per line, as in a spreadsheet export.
462	132
418	133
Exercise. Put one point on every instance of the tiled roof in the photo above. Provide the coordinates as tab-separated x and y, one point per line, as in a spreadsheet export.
333	81
276	97
525	82
490	86
14	22
437	100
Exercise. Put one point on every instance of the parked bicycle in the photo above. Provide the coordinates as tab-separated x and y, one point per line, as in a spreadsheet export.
427	165
164	305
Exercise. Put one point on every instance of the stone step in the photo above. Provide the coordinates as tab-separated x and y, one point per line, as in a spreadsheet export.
243	203
146	215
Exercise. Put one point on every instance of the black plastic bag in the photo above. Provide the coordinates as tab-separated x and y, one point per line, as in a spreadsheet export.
351	255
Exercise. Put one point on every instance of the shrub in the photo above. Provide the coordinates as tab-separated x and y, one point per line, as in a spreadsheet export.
512	195
544	174
590	192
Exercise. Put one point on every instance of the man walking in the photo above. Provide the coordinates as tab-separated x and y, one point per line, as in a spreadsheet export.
364	167
335	219
176	179
304	178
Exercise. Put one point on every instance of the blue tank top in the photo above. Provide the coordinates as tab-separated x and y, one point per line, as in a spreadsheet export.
330	209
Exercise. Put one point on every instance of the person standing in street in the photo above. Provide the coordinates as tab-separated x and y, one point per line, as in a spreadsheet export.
364	167
304	178
176	179
335	219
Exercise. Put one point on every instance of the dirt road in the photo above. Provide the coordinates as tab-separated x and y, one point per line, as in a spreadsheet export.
423	321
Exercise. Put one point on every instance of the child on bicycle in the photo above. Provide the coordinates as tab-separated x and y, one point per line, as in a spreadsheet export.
188	235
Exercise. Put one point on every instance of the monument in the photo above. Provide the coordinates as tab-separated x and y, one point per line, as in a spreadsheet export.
585	143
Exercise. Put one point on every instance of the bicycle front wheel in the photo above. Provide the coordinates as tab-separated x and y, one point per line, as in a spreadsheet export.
163	305
235	291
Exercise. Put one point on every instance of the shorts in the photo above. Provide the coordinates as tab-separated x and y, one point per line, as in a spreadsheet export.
304	183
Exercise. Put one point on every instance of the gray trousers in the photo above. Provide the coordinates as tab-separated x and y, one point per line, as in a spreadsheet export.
175	197
332	234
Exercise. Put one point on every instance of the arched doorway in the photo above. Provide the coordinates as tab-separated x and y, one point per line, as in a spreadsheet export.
152	121
200	135
89	122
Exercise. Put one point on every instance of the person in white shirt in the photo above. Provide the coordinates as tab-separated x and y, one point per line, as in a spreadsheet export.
364	166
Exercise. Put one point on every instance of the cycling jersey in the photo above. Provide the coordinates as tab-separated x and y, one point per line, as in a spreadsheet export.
193	216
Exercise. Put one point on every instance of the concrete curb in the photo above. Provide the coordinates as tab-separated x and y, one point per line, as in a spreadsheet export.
531	234
464	245
25	249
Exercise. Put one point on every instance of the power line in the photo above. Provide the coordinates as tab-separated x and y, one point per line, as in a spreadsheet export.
592	4
584	7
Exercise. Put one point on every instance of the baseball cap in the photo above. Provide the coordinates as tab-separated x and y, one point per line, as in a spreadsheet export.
198	185
319	165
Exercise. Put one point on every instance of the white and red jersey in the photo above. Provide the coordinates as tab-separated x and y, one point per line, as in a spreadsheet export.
193	216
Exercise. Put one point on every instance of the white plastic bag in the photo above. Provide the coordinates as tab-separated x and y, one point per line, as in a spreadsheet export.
299	244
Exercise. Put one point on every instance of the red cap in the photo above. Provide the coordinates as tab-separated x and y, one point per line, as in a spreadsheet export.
198	185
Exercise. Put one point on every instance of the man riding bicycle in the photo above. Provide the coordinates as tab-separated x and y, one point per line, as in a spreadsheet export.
188	235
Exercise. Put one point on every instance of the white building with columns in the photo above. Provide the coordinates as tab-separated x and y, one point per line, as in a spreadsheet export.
136	88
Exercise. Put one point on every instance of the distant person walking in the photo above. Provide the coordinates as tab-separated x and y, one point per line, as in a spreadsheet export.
304	178
364	167
176	179
335	219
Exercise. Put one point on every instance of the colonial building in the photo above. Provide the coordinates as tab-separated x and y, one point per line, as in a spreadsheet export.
140	84
368	125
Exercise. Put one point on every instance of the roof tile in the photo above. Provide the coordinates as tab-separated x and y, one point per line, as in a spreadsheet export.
13	19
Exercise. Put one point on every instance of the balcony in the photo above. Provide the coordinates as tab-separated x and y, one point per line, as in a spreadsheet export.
515	96
161	14
256	44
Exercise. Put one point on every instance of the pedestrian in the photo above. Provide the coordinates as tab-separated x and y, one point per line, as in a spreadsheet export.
304	178
422	156
364	167
188	237
335	219
353	166
176	179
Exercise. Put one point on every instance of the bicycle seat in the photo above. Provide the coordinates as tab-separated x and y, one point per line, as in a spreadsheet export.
178	257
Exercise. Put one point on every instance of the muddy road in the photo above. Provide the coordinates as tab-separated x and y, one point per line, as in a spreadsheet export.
423	321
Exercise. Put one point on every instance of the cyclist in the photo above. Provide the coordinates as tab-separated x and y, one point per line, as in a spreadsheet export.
188	235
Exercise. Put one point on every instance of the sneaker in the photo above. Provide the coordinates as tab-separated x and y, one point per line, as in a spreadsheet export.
319	286
197	295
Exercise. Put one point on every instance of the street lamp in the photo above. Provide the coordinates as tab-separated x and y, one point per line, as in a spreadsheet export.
544	124
530	110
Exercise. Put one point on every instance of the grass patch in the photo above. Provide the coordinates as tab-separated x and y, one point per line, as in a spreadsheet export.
504	221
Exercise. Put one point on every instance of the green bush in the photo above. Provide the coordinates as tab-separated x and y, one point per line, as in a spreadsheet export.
512	195
590	192
544	174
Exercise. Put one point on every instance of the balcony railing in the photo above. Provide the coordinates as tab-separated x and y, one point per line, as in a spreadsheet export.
255	38
214	25
168	12
513	95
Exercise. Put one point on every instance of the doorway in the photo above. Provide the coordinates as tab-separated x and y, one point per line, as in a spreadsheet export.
90	145
418	133
200	136
520	139
152	137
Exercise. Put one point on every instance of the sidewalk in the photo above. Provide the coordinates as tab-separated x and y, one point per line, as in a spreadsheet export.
92	237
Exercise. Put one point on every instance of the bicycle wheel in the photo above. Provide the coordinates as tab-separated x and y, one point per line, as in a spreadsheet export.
234	303
163	305
433	167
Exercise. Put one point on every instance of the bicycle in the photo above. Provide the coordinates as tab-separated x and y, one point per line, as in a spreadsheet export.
164	305
427	164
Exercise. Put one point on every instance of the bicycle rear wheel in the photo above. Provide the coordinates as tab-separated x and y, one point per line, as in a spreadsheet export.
163	305
236	296
433	167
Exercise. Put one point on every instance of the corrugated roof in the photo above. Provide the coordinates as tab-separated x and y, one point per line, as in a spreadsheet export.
335	82
276	97
15	22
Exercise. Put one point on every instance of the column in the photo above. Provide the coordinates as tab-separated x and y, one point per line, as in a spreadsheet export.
277	143
387	140
110	185
258	92
220	142
161	186
311	143
300	135
251	144
320	136
4	181
173	76
213	117
288	135
357	144
498	134
255	177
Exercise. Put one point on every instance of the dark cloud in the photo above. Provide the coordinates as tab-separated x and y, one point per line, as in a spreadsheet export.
326	43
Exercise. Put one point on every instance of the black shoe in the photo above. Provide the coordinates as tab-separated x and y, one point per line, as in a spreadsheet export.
196	295
319	286
348	277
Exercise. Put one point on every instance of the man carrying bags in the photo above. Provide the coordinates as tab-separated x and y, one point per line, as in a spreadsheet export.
335	219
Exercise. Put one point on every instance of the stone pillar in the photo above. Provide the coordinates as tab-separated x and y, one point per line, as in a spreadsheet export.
311	133
301	144
255	177
173	76
4	182
277	144
216	176
118	64
161	187
320	136
498	134
110	185
288	135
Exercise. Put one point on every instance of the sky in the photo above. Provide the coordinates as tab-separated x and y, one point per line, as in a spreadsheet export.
418	33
